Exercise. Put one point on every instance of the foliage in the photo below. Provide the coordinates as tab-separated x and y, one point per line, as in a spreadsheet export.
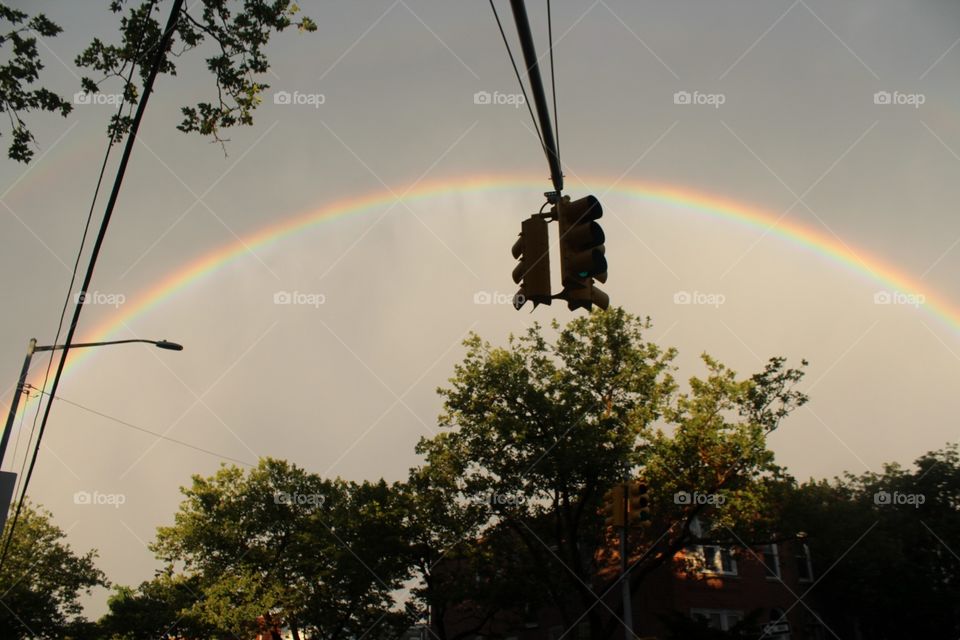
42	579
873	553
234	33
325	556
20	72
158	608
547	427
237	32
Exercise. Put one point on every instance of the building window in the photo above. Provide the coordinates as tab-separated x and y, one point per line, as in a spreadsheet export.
721	619
771	561
804	566
714	558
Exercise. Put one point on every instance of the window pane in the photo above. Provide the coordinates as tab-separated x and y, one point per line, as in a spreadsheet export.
771	561
803	563
729	565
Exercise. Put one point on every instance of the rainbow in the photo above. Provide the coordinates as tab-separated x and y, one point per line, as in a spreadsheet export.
888	276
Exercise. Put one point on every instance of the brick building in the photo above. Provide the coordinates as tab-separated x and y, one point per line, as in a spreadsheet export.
760	589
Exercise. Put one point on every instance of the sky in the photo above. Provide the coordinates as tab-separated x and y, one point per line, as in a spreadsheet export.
777	178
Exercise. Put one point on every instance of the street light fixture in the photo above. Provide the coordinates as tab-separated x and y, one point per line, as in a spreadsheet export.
33	348
8	479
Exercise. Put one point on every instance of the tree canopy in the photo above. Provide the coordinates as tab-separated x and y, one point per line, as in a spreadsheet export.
42	579
233	33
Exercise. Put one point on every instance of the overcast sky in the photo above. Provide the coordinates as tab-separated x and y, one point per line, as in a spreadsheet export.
382	102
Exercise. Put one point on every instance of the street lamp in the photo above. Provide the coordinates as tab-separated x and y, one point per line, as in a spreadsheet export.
8	479
33	348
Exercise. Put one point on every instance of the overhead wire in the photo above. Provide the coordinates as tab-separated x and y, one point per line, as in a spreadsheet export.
16	447
171	23
516	71
148	431
553	83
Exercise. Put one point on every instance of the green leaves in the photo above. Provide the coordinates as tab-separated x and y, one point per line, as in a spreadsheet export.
235	32
885	541
43	578
20	72
321	555
556	418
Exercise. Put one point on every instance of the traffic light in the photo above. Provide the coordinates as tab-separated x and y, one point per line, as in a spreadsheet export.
639	503
614	507
532	273
581	253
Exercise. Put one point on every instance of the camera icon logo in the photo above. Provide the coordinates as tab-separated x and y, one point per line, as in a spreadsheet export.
681	97
282	297
882	297
482	97
282	97
482	297
81	97
82	497
882	97
682	297
882	497
682	497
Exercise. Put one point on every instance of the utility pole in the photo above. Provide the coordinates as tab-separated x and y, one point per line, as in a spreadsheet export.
8	479
624	579
18	391
539	97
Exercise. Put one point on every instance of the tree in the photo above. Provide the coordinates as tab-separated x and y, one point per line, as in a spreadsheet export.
237	31
20	72
886	542
441	531
545	428
42	580
157	609
324	556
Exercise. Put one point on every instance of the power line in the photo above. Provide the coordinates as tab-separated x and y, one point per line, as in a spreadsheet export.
76	265
516	71
163	44
553	81
545	131
144	430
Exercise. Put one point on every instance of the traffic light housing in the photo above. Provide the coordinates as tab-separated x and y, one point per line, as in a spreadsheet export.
638	509
532	273
582	252
614	507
